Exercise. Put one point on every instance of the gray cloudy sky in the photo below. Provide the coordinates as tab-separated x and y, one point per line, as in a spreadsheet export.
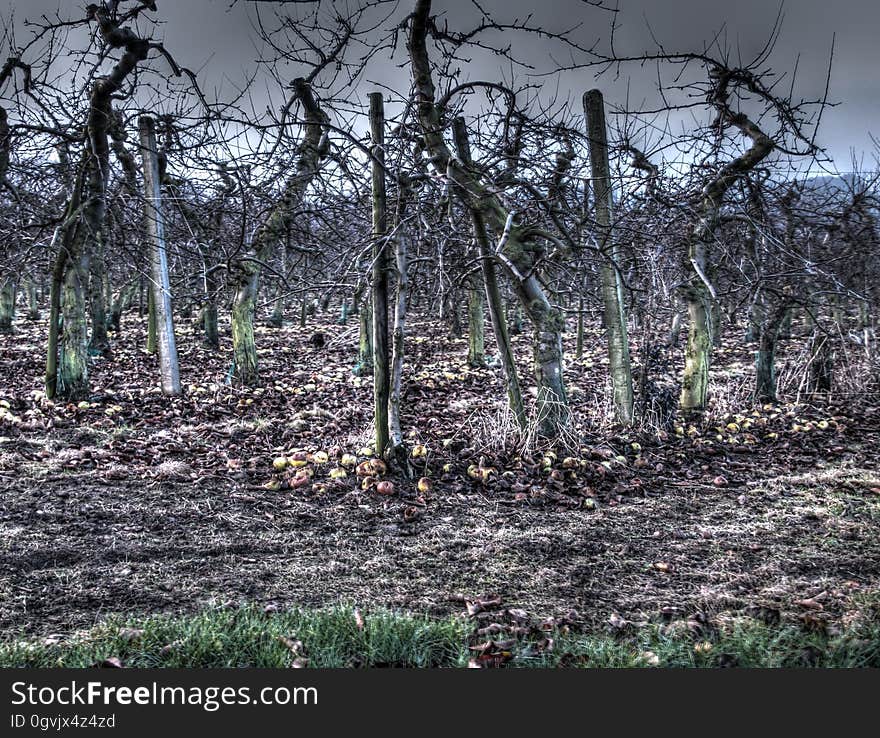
209	31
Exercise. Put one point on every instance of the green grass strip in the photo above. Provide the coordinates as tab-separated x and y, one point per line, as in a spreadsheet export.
248	637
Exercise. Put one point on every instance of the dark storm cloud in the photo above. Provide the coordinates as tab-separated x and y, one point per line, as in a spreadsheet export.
220	42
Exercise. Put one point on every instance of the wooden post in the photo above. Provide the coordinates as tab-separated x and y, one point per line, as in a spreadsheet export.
612	288
476	350
381	369
160	285
151	322
401	248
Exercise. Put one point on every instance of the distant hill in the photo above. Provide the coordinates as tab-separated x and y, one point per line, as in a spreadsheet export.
834	184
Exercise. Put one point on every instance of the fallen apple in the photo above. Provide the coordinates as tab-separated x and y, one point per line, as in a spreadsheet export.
385	488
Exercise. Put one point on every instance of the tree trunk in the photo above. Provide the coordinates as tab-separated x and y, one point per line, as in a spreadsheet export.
785	326
54	321
276	319
765	367
695	382
493	293
99	343
499	322
67	233
7	304
768	329
168	363
579	345
33	302
120	304
72	380
73	370
612	287
548	323
247	276
451	311
516	324
244	348
699	294
821	363
520	247
209	311
756	317
381	369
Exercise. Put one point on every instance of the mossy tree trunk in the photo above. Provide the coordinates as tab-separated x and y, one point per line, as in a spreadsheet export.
246	278
244	348
821	367
695	381
276	320
72	376
768	331
493	292
698	292
548	324
99	343
33	301
66	232
120	304
209	314
519	246
7	304
73	368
